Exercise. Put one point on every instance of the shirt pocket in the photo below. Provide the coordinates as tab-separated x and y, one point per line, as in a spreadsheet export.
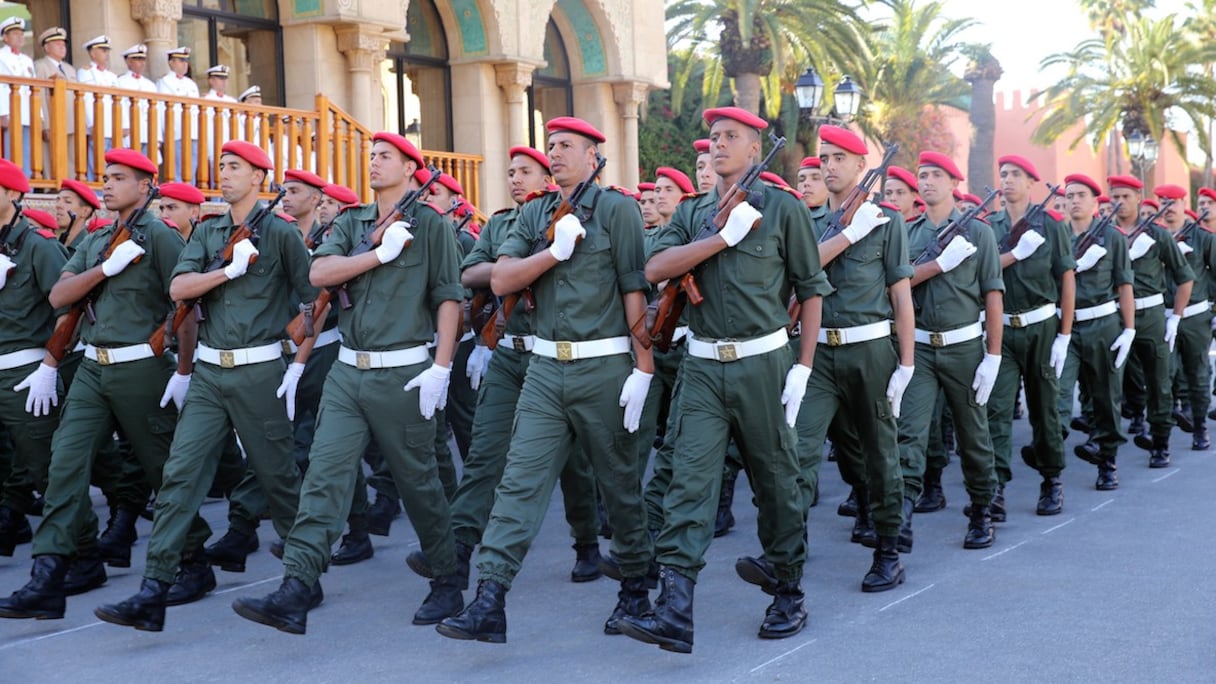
861	260
758	263
593	259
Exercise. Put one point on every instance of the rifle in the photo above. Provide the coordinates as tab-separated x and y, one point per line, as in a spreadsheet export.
843	216
317	235
301	326
65	330
1180	236
1032	219
661	317
957	227
1093	236
160	338
1141	227
5	248
491	332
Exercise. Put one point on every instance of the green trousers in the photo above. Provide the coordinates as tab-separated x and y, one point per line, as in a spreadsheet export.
1092	364
462	401
564	407
662	391
1026	357
356	407
1191	373
947	371
30	439
101	399
219	401
495	417
1152	356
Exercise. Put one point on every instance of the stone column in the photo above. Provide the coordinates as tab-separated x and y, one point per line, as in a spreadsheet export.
629	96
514	79
364	47
159	20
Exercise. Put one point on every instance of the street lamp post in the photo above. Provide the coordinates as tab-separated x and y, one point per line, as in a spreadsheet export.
1143	151
809	89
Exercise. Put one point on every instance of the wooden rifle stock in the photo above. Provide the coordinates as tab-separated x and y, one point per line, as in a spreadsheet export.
843	216
1141	227
1031	219
959	226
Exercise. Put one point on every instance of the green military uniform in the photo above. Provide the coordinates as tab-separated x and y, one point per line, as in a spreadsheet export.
747	290
1194	330
569	403
1030	285
247	313
950	301
393	309
462	398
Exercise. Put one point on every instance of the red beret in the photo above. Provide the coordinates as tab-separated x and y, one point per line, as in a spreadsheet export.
942	162
1192	215
809	163
843	138
701	146
574	125
12	177
1174	192
132	159
770	177
407	148
344	195
1021	162
735	113
918	202
83	191
645	187
183	192
958	195
1082	179
1150	203
251	153
450	183
1208	193
1125	182
535	154
675	176
1060	191
97	223
421	176
1103	199
974	199
42	218
305	177
902	175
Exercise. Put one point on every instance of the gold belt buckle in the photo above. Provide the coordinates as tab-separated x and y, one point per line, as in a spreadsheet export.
726	352
835	339
937	339
103	357
518	344
363	360
565	351
1015	321
287	347
227	359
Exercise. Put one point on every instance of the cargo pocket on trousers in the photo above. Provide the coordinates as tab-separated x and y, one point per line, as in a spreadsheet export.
882	409
161	425
277	430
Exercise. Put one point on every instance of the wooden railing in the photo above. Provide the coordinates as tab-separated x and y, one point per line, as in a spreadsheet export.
183	136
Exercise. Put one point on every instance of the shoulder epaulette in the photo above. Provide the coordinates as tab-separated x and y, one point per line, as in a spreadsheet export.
617	188
888	205
285	216
1055	215
501	211
790	190
535	194
690	195
46	233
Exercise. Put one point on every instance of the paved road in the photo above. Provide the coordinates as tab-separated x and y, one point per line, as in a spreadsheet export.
1116	588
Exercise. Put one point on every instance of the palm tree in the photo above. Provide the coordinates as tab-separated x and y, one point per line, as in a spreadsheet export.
1202	24
983	71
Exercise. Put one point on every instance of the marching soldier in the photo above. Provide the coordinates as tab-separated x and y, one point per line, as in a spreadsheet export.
706	177
671	186
648	202
75	206
899	190
180	206
810	183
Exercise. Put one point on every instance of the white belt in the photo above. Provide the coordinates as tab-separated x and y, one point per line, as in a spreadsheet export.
733	350
1149	301
466	337
520	343
588	349
1021	320
679	334
23	357
324	339
835	337
366	360
106	356
1193	310
231	358
1089	313
949	337
79	346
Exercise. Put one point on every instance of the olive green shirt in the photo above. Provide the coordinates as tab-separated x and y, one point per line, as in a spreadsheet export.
1162	258
394	303
26	317
747	287
1035	280
580	298
1202	262
955	299
485	251
1100	284
331	317
135	302
251	310
76	243
864	271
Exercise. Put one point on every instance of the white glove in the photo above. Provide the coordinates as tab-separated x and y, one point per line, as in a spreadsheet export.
1140	246
795	390
242	253
432	385
475	367
985	377
396	237
867	217
896	386
1059	353
1182	247
566	234
633	397
1090	258
287	388
121	258
1028	244
955	253
6	265
175	390
1171	329
41	384
739	224
1123	345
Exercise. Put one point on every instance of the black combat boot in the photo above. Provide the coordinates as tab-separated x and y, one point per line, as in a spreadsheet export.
1200	440
1081	424
932	496
421	565
1108	478
905	528
230	551
886	572
194	580
980	533
86	572
11	523
612	570
1029	458
1051	496
485	619
786	615
286	609
725	518
863	526
586	562
1137	426
848	507
43	597
1089	452
758	571
632	600
115	542
1159	455
669	625
443	601
356	547
1182	417
381	514
144	611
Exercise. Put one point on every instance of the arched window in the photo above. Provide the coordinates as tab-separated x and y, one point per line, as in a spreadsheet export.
244	35
550	94
418	83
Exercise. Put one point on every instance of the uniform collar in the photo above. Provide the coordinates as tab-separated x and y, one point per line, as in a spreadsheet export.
95	66
15	51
